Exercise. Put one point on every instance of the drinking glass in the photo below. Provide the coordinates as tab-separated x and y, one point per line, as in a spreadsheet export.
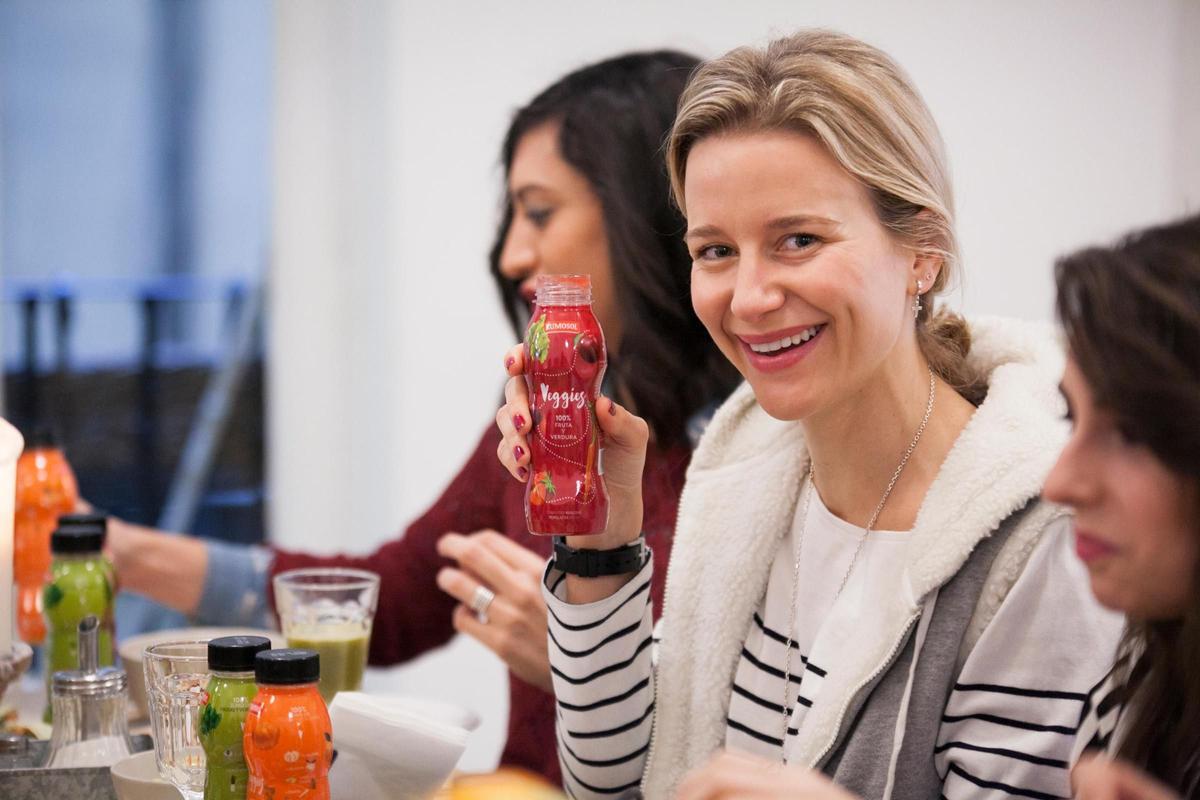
176	674
329	610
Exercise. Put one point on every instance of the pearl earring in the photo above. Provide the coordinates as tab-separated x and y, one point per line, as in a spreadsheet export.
917	307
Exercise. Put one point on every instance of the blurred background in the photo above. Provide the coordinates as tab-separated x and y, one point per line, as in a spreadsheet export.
243	243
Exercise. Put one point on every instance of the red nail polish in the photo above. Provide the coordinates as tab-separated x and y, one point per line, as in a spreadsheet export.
508	362
518	422
518	452
612	409
522	473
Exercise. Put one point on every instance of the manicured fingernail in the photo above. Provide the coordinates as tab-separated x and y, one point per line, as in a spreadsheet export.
612	409
518	422
518	452
508	362
522	473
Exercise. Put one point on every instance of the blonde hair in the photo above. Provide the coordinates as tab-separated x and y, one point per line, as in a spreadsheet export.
862	107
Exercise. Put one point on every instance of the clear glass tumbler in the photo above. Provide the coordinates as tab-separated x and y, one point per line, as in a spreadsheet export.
176	674
329	610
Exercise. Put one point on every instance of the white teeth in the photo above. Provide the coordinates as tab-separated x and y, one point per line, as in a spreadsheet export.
787	341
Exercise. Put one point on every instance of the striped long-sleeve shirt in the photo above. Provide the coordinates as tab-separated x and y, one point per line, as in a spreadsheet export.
1008	726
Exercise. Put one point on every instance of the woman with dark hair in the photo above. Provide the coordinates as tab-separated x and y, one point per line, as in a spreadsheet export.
609	122
587	192
1131	473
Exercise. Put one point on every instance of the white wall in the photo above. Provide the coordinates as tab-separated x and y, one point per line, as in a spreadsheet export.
1067	123
335	279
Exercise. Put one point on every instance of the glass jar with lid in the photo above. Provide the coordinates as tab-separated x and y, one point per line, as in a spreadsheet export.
90	709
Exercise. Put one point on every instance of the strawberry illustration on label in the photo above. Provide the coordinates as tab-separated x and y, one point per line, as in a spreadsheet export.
543	489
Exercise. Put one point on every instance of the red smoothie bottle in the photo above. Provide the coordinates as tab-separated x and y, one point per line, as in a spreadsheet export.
564	365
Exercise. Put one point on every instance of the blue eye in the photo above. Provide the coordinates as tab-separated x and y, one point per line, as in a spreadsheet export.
801	241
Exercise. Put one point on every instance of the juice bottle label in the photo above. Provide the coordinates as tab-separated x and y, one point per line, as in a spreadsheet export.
78	587
288	743
222	721
565	363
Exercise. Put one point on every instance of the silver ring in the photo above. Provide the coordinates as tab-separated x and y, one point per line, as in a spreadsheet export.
480	601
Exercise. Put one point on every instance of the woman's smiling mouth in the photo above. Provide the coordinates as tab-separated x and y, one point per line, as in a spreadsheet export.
779	350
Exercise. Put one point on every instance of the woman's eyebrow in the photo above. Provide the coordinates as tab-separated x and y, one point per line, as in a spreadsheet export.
525	189
799	221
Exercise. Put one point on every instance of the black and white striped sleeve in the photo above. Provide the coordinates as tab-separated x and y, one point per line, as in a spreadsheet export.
1010	722
600	661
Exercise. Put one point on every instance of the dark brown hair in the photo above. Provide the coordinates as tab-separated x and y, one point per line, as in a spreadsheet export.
1132	319
614	116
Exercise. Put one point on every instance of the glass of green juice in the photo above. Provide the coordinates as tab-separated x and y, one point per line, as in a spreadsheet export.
329	610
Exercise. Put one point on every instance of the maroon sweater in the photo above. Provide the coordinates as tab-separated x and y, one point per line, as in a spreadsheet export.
414	614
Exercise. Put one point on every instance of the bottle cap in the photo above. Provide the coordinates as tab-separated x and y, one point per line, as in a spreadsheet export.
43	436
287	666
564	290
235	653
79	533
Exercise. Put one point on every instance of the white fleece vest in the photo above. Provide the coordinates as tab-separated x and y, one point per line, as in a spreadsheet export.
742	488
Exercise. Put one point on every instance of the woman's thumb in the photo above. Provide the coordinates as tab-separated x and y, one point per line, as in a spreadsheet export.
620	427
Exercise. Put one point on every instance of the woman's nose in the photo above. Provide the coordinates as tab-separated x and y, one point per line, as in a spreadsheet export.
755	291
518	257
1069	483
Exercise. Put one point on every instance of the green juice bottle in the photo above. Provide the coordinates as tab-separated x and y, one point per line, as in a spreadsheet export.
230	690
81	584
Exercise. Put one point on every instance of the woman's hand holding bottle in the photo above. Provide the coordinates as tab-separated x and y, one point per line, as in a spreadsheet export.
625	438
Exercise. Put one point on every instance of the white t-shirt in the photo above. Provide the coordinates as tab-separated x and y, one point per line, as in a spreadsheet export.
827	548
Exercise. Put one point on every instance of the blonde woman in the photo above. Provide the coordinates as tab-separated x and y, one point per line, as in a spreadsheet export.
864	580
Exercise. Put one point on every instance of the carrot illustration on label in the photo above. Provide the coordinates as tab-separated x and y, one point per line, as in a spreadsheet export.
591	453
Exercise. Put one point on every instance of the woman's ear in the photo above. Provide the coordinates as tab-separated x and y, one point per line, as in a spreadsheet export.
926	268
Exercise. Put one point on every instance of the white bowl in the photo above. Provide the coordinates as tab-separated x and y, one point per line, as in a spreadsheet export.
136	778
131	651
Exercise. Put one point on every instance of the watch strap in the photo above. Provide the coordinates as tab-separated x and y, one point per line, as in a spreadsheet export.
596	563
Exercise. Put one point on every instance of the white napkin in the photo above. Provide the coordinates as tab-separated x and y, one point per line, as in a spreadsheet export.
395	747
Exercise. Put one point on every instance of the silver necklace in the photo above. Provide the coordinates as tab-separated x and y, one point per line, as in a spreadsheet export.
812	487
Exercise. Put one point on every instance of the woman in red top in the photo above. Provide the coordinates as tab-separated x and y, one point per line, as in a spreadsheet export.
587	193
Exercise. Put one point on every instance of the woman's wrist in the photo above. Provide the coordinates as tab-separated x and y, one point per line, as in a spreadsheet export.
168	569
624	527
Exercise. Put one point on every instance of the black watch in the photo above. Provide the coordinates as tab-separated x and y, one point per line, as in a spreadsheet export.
594	563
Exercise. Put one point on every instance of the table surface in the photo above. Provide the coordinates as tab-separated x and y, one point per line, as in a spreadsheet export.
28	696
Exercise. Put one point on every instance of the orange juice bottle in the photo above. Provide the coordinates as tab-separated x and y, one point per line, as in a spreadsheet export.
46	489
288	738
